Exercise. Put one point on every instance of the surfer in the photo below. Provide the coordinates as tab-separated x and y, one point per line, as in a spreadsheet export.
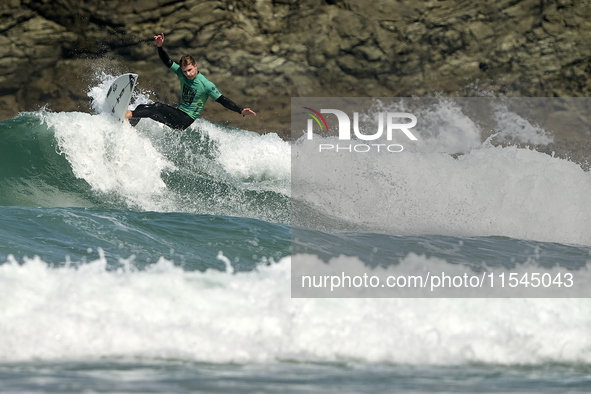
195	89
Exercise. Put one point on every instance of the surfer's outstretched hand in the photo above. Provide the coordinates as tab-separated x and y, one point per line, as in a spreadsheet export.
248	111
159	39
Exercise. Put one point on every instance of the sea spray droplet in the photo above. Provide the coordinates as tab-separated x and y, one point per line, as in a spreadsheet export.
229	268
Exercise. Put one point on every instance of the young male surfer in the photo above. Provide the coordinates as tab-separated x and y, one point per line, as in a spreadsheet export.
195	89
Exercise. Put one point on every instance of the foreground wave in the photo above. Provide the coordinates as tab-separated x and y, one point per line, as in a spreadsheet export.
165	312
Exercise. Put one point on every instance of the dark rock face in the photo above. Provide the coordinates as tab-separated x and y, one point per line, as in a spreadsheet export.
261	52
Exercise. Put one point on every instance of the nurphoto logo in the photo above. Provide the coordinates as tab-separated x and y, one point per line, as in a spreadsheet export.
390	119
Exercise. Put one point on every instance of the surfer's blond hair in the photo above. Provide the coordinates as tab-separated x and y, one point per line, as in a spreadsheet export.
187	60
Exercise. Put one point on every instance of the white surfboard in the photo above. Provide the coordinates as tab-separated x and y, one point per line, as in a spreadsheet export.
119	95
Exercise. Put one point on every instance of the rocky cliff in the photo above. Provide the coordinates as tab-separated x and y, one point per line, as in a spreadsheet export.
261	52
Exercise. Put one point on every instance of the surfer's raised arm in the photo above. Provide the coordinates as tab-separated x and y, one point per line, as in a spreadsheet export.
161	52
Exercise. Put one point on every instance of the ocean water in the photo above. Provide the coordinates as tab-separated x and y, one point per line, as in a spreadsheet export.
151	260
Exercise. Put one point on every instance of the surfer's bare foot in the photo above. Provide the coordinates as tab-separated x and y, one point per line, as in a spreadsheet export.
128	115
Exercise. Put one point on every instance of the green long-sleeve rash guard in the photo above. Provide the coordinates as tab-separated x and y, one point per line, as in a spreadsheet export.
194	93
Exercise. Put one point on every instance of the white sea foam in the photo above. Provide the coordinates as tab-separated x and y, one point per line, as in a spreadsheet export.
443	126
247	155
446	127
511	125
164	312
110	157
487	190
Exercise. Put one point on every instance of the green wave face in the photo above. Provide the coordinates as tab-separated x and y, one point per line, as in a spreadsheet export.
32	172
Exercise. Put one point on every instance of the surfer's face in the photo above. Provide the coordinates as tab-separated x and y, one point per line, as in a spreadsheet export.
190	71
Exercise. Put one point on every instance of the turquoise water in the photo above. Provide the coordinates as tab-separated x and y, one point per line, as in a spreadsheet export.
182	377
149	260
190	240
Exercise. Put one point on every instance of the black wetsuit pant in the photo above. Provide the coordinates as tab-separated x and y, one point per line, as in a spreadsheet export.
163	113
